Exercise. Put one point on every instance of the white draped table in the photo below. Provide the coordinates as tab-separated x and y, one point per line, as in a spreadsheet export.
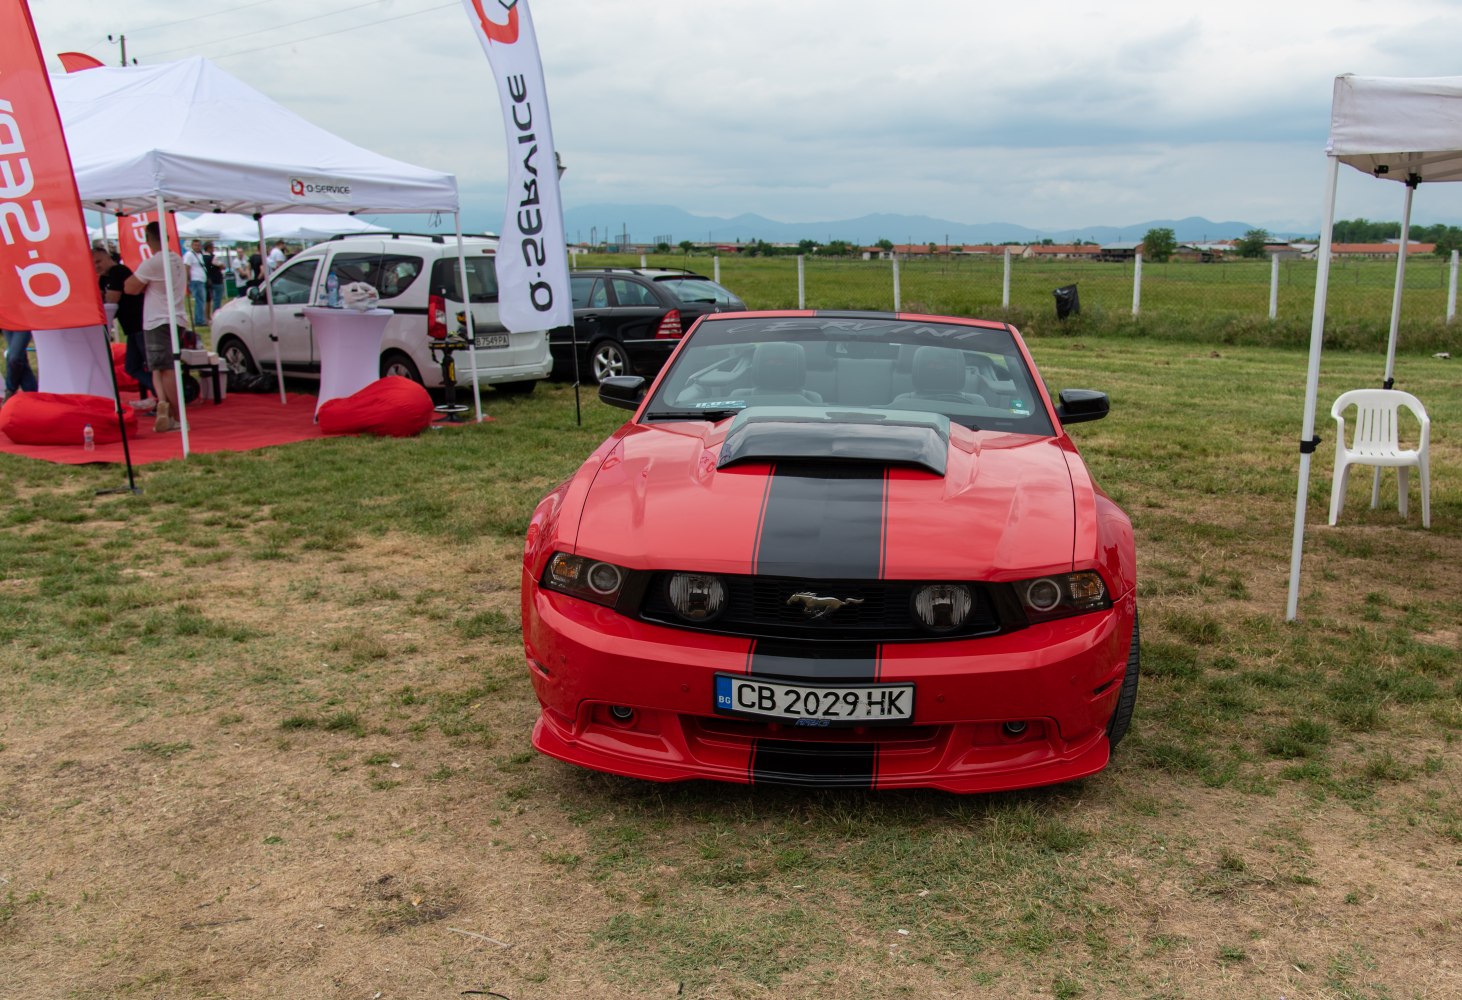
348	342
78	360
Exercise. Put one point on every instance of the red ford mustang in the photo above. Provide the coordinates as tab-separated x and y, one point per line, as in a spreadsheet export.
836	549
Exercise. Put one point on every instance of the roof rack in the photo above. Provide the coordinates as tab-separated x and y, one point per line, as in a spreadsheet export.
434	237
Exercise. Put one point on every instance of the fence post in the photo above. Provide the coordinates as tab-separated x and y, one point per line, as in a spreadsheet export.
801	282
716	268
1005	288
895	281
1137	285
1273	287
642	260
1452	290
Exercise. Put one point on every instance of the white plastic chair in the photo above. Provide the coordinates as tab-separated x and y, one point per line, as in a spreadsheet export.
1377	442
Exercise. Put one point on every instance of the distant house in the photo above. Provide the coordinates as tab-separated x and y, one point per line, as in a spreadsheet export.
1377	251
1118	252
1061	251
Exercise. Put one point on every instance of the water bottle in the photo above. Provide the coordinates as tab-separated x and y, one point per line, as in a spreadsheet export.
88	439
332	291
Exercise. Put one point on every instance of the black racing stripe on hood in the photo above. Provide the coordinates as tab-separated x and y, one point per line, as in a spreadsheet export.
823	521
821	765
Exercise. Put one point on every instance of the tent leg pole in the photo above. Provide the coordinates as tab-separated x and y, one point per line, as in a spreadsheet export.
269	297
167	276
471	324
1312	386
1390	378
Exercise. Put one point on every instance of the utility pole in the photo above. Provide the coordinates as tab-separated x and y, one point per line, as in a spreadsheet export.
121	40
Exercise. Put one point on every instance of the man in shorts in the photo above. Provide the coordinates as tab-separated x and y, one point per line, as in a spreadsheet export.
151	279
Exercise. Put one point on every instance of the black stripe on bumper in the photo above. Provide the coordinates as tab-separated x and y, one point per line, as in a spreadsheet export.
820	765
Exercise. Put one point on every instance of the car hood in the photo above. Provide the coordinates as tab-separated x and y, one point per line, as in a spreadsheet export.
1003	508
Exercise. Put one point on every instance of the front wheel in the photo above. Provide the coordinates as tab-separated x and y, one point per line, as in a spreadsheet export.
237	356
607	358
1121	719
397	363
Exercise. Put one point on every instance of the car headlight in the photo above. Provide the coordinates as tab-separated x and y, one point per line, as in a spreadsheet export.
943	607
591	579
1062	595
696	597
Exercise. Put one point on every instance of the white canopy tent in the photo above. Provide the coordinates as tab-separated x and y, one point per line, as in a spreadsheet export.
188	136
1396	129
229	227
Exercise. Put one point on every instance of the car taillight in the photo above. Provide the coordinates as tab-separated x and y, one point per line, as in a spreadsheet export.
436	317
669	327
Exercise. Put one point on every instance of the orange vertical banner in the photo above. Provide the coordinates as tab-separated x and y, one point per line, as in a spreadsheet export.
46	278
132	237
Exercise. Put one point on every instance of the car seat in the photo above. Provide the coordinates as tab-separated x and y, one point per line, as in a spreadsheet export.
778	377
939	376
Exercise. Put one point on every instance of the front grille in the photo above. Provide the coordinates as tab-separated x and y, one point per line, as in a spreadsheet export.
870	610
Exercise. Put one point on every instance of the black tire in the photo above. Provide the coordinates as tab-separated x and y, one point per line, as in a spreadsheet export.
516	388
398	363
1121	719
608	357
236	356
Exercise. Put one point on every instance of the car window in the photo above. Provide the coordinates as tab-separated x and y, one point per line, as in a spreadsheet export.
599	297
291	286
632	293
481	278
584	290
976	376
697	290
390	274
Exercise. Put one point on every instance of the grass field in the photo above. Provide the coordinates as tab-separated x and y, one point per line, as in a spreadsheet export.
264	733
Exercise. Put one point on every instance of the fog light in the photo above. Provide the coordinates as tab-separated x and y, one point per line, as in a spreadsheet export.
1013	728
621	713
697	597
943	607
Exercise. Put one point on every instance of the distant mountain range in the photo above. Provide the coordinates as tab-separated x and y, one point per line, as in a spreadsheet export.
662	223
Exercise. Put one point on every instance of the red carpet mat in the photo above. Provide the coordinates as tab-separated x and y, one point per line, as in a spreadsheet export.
242	422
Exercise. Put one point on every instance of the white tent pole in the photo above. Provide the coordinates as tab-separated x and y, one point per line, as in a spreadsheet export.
1400	287
1312	386
471	326
269	297
167	283
1390	379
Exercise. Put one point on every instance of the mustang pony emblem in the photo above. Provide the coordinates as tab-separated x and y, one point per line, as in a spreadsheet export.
816	606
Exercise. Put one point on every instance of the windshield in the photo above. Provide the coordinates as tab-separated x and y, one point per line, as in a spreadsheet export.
976	376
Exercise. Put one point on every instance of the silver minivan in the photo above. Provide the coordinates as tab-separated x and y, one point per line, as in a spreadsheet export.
416	277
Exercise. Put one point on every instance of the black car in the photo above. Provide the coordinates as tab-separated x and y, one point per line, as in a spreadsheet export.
627	320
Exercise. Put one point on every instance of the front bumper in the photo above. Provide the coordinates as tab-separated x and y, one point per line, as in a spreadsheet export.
1061	679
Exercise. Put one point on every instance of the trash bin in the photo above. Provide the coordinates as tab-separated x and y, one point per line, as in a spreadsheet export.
230	286
1068	303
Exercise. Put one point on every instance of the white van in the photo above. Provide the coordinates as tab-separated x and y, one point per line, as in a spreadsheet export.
416	277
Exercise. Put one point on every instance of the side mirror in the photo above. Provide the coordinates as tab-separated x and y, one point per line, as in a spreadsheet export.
1080	405
255	294
623	391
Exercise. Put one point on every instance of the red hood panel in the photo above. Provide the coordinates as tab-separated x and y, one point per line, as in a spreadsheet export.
1003	510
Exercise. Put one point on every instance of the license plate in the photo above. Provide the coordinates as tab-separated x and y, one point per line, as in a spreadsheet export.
814	704
492	340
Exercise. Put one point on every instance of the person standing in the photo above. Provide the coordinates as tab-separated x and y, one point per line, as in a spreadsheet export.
113	277
18	374
150	281
214	270
277	257
197	281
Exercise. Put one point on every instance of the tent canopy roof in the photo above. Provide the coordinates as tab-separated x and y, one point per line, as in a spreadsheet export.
1397	128
206	141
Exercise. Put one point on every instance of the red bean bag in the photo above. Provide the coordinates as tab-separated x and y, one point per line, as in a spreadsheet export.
60	418
392	406
119	358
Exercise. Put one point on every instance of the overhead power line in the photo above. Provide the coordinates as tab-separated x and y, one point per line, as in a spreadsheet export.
338	31
196	46
198	17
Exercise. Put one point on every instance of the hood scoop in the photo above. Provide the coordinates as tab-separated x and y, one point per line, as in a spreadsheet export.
770	433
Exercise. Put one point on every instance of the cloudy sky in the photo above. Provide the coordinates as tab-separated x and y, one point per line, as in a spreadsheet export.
1045	113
